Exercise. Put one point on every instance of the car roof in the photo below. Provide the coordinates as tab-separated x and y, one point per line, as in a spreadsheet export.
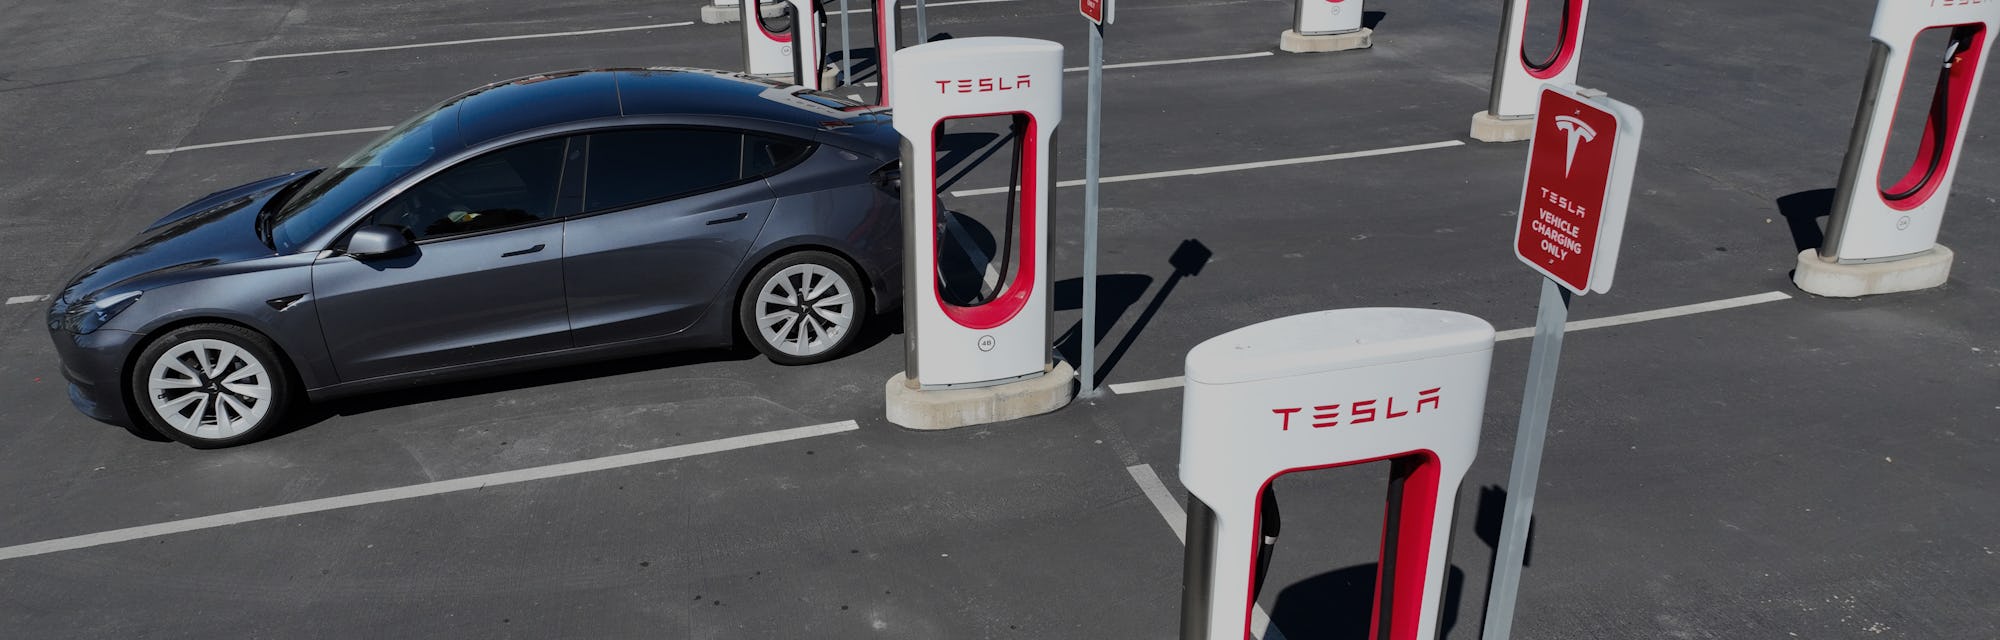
550	99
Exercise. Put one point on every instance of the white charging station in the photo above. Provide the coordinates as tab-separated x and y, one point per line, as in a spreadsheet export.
808	52
1318	391
1518	74
1326	25
722	11
1884	239
767	49
798	51
970	364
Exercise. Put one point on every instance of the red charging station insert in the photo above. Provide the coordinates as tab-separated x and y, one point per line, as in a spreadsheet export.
1569	170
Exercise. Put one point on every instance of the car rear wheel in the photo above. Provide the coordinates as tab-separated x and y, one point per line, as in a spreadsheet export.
211	385
803	308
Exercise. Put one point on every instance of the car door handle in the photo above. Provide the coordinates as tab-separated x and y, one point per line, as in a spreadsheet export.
739	216
523	252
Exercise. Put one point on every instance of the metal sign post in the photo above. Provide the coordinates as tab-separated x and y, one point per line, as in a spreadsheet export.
1572	219
1099	13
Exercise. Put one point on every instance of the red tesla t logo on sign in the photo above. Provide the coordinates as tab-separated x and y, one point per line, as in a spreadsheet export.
1569	174
1093	10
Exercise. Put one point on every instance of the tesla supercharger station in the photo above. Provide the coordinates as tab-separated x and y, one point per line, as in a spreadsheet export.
766	51
1318	391
1518	74
992	361
1325	25
1884	239
800	50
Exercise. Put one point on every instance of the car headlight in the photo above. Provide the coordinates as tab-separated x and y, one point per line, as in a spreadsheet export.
89	315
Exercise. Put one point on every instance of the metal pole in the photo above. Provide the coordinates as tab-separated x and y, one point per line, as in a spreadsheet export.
846	52
923	26
1528	443
1094	124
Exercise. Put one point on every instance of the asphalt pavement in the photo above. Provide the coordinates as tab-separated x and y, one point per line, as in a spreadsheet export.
1803	467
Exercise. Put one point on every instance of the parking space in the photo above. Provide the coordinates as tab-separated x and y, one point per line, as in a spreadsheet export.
1799	465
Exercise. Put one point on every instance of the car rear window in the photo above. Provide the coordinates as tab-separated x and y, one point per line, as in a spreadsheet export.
632	167
764	155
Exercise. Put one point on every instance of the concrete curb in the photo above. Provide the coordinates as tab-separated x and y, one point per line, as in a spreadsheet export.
1295	42
1486	128
953	408
1921	271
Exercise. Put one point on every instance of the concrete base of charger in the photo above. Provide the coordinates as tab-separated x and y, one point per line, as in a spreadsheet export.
711	14
1921	271
1296	42
1487	128
913	408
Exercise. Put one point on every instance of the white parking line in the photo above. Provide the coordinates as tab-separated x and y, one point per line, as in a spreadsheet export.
1143	386
342	132
1236	167
1163	501
1129	388
26	299
447	43
295	136
1160	63
1656	314
426	489
1153	63
927	5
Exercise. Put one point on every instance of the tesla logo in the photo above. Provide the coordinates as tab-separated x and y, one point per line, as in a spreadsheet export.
984	85
1579	133
1358	412
1957	3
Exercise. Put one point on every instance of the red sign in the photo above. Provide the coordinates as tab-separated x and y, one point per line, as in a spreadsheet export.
1098	11
1569	177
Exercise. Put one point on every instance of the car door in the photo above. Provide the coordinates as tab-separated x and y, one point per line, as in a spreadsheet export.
668	215
482	282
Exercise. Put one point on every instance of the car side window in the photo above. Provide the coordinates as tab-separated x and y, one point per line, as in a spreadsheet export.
637	166
763	155
513	186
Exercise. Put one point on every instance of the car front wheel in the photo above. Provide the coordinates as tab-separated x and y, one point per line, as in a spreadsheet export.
803	308
211	385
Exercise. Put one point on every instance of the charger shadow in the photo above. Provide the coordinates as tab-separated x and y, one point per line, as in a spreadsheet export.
1339	605
1802	212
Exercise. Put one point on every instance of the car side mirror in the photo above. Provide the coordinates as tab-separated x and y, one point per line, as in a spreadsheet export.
379	240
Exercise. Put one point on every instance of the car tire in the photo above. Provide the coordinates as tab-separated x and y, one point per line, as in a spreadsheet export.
211	385
803	308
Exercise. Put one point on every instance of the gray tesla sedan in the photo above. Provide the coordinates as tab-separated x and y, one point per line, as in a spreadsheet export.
547	219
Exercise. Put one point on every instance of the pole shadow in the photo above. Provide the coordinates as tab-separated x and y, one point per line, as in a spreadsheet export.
1339	605
1487	525
1116	293
1370	19
1802	212
1187	260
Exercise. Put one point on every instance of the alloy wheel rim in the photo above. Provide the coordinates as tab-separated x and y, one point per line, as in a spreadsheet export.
209	389
804	310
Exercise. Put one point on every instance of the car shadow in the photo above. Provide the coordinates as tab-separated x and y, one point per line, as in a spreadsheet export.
877	330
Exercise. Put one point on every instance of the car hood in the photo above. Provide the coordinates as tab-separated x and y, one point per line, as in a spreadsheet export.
216	229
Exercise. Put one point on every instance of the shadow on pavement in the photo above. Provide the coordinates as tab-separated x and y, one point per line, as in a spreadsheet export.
1802	212
1339	605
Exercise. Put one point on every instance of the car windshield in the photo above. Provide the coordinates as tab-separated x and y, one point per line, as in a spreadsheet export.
338	189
